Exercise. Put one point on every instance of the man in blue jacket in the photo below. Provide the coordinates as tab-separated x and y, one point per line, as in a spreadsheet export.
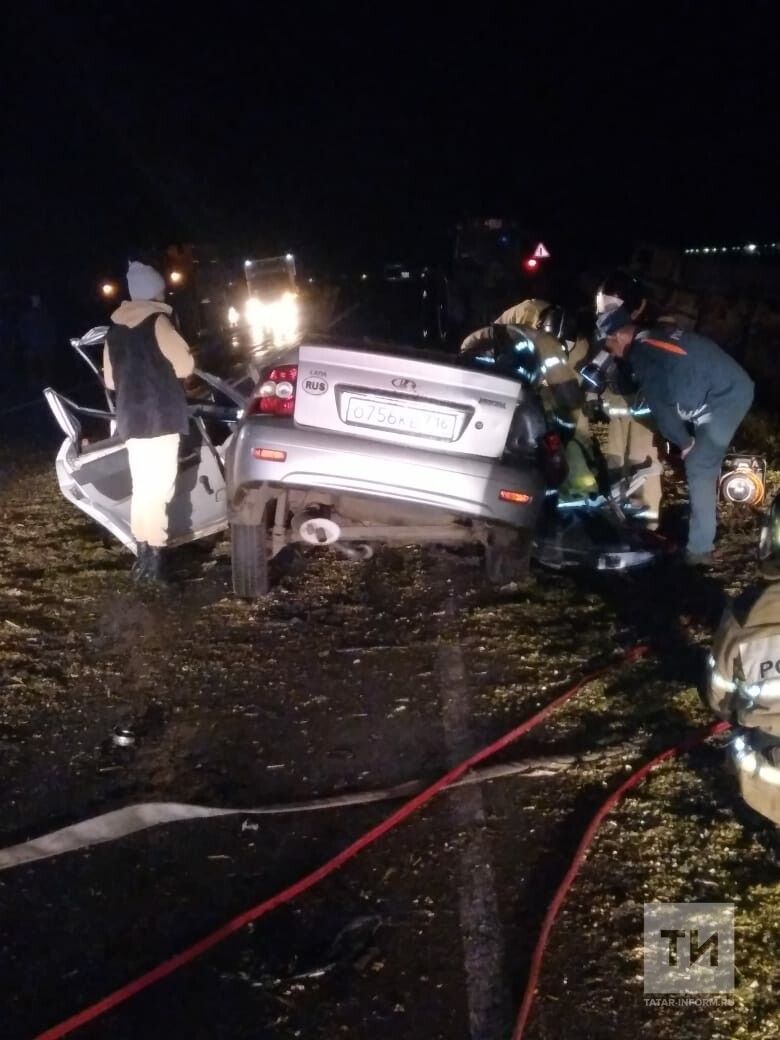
698	395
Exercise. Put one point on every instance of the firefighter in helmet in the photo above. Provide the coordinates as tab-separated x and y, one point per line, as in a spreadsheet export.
743	677
549	335
632	440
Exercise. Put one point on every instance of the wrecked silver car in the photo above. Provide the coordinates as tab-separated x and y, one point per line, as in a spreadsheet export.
332	445
347	446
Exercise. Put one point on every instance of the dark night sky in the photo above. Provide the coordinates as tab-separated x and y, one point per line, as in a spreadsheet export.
357	131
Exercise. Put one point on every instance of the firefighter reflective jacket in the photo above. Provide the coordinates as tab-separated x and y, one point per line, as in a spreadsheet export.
558	374
743	683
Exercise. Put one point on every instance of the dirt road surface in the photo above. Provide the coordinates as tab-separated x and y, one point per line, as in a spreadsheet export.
353	677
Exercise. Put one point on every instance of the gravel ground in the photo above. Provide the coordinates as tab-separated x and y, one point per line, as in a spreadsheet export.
342	680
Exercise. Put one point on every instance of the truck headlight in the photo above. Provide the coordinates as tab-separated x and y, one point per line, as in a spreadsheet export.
286	320
274	321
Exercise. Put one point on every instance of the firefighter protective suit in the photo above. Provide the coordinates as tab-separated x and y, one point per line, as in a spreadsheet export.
561	393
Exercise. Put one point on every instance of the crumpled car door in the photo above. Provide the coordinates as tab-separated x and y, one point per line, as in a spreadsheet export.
95	477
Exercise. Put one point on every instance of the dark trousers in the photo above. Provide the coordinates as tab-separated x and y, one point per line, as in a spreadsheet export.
703	466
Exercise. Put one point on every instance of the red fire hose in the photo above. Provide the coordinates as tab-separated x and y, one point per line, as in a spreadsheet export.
579	856
169	966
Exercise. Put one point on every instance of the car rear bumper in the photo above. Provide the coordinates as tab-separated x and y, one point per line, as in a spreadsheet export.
466	485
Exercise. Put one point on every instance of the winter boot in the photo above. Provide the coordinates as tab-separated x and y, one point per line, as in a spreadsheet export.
141	561
154	572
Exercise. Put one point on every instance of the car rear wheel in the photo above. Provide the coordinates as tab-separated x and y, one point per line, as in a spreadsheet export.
249	557
508	558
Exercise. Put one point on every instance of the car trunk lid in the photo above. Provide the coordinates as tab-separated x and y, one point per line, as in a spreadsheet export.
404	400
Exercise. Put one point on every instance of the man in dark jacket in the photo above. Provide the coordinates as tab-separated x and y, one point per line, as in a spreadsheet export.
698	396
143	360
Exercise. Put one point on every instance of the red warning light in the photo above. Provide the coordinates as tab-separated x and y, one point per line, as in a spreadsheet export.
530	263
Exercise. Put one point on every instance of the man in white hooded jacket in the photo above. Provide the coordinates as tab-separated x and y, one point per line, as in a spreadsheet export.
144	360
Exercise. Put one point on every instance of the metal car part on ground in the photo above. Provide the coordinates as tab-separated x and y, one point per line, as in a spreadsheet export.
600	531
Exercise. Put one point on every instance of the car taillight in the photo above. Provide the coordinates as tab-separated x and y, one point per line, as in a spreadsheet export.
269	455
276	393
553	459
518	497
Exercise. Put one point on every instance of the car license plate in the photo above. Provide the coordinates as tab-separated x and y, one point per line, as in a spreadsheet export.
382	414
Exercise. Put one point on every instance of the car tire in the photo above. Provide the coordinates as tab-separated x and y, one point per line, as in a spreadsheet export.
505	563
249	559
289	562
206	545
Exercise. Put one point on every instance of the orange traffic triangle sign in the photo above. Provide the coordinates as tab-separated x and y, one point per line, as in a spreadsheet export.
541	252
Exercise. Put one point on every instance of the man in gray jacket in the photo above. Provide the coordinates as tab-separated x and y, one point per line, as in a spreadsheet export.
144	360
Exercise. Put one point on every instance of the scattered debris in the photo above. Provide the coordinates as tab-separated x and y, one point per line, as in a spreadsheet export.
122	736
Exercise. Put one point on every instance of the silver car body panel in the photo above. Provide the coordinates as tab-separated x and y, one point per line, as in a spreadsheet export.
406	430
114	517
403	400
339	463
96	479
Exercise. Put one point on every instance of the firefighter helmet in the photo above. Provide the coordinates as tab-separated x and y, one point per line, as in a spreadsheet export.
620	289
558	322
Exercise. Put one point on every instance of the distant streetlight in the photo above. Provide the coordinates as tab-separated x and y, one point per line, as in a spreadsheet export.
109	289
176	277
